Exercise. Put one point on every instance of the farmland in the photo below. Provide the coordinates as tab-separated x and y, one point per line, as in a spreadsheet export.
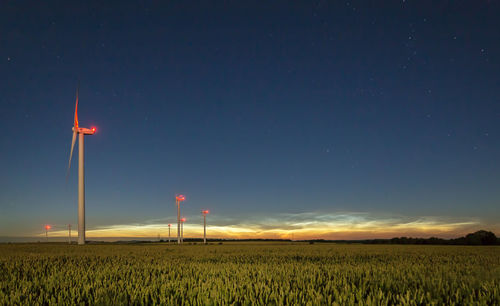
248	273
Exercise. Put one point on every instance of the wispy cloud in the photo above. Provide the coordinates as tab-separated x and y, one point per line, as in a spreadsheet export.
307	225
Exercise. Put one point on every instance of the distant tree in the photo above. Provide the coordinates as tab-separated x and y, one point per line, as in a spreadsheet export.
481	238
435	240
458	241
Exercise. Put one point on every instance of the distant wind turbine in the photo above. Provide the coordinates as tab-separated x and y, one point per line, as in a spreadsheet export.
205	213
169	233
69	233
81	170
47	227
178	199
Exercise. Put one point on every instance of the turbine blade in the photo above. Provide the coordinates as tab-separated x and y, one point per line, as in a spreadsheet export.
71	153
76	108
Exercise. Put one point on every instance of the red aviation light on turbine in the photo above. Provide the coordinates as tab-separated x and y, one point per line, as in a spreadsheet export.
93	129
180	198
183	220
205	212
169	225
47	227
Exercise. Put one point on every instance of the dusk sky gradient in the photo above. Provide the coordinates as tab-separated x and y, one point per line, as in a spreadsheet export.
338	120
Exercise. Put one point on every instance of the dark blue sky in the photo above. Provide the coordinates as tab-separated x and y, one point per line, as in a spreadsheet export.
256	111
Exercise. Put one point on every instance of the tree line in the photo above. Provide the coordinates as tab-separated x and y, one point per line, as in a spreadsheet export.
481	237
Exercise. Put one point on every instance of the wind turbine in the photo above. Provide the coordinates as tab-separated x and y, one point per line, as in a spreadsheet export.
47	227
69	233
178	199
182	229
81	170
205	213
169	233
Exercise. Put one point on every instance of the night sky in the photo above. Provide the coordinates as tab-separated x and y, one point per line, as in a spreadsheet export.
285	119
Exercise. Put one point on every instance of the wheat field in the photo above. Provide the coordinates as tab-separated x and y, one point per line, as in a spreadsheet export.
249	273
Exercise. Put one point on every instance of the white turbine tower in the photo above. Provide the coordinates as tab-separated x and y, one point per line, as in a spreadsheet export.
81	170
169	225
69	233
47	227
178	199
205	213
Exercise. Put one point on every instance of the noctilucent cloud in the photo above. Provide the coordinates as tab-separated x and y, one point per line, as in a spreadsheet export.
342	120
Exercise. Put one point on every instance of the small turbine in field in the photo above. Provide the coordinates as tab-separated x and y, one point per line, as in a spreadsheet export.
182	229
169	233
69	233
205	213
47	227
81	132
178	199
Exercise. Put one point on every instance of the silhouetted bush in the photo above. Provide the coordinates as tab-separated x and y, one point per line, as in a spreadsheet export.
481	238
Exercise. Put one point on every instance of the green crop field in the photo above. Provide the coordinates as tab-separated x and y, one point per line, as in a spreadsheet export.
249	273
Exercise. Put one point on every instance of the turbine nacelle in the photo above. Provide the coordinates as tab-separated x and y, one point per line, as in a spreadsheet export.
205	212
84	131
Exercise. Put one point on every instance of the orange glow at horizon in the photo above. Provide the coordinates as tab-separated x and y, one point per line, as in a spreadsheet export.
327	232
